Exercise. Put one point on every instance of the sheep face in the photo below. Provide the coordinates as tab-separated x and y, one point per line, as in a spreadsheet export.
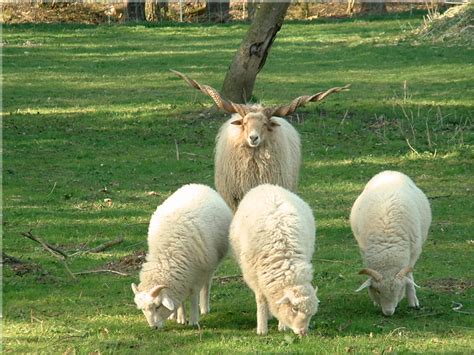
255	128
156	305
387	293
296	307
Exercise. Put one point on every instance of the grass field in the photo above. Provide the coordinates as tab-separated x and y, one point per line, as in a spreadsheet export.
91	121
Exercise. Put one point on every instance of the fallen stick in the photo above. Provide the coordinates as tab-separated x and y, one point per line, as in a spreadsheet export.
99	271
68	269
106	245
55	251
101	247
332	261
227	277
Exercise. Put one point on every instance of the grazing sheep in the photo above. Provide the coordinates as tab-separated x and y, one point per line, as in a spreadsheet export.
187	238
254	146
390	221
272	237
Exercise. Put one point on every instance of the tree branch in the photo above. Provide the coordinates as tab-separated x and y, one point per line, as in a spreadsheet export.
99	271
54	251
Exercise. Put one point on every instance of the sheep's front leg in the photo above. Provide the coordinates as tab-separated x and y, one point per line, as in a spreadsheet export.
282	327
194	309
411	293
173	315
181	314
204	297
262	314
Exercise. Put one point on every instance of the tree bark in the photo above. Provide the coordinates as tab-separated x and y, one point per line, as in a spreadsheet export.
251	8
218	10
252	54
156	10
135	10
375	8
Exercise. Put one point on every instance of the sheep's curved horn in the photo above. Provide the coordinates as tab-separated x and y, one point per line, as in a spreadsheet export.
403	272
285	110
372	273
156	290
222	103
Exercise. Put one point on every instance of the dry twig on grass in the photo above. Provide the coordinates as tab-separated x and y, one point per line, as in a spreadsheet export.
54	251
100	271
100	247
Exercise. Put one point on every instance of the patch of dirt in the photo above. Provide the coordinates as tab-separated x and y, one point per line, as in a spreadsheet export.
225	279
128	263
18	266
450	285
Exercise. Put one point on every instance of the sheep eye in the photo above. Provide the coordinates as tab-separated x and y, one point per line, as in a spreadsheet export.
294	310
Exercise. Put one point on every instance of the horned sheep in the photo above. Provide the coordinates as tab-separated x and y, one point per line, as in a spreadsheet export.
390	221
272	236
255	146
187	238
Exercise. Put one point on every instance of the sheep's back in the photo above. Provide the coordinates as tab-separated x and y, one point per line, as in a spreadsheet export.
272	220
191	226
391	212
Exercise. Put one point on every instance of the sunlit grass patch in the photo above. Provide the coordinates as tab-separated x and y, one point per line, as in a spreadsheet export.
97	132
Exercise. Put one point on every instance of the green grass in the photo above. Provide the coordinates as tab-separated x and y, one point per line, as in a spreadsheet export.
92	113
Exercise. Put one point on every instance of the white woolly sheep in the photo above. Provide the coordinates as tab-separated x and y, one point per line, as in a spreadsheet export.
272	236
255	146
187	238
390	221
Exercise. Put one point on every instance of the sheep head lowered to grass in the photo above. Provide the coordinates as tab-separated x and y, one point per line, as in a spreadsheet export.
256	146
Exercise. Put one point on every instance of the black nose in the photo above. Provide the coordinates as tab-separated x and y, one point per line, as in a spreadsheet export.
253	138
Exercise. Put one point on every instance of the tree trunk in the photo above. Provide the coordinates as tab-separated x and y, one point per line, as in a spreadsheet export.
152	10
253	51
218	10
375	8
135	10
251	8
155	10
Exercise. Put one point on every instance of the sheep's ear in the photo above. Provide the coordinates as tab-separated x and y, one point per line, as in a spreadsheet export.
367	283
237	122
410	281
403	272
316	294
134	288
372	273
284	300
274	124
168	302
156	290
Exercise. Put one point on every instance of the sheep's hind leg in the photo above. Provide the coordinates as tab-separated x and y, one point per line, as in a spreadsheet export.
411	293
204	295
181	314
262	314
194	309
